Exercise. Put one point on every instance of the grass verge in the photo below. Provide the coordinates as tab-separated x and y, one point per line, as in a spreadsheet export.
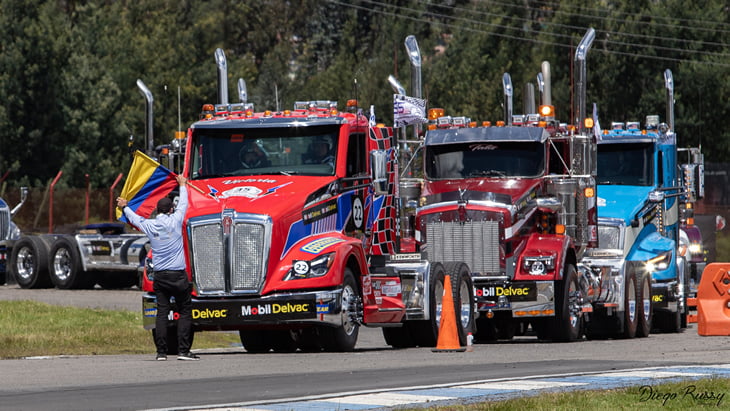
29	328
710	393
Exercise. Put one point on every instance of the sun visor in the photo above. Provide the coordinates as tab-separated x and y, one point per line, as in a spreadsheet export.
482	134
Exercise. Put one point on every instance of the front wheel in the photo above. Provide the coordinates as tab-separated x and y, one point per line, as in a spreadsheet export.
568	315
344	337
645	307
631	311
463	297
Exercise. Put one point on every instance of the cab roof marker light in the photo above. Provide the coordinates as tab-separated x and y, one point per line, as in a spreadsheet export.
444	122
459	121
221	109
237	109
301	105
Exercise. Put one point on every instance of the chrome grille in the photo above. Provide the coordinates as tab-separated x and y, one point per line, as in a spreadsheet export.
248	258
233	262
208	258
4	221
474	242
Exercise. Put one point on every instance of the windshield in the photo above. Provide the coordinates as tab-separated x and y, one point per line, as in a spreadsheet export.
493	159
626	164
256	151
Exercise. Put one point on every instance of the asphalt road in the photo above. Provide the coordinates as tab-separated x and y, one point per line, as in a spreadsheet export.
232	376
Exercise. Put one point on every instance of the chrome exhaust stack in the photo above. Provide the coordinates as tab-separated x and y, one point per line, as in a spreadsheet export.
149	117
508	90
580	85
220	59
242	91
395	84
669	85
414	55
528	99
544	77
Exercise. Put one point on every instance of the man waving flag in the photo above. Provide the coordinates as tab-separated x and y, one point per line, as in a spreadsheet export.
147	183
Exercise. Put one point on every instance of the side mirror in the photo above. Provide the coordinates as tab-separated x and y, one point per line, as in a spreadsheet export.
23	197
378	171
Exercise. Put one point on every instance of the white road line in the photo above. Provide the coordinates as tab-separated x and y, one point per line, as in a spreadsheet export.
520	385
386	399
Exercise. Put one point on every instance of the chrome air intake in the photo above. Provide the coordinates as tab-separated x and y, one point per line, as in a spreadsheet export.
229	252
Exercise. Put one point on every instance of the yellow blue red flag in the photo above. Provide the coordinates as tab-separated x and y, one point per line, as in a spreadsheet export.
146	184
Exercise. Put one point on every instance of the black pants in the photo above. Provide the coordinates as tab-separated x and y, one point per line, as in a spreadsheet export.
173	284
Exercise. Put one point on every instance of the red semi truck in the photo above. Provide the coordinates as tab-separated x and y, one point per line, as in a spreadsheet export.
292	231
516	201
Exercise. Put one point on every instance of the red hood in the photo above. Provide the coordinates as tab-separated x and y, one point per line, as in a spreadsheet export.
506	189
270	195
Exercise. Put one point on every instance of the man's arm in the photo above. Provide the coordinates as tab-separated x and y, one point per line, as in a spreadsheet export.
182	201
133	217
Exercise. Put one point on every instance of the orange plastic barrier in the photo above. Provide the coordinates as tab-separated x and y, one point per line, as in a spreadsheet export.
692	310
448	339
713	299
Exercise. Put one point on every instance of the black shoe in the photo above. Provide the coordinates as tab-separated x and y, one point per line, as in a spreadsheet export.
161	357
188	356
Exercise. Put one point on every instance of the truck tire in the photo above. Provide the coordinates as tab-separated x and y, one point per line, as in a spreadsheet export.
464	305
344	337
631	309
645	307
29	263
668	321
399	337
568	317
255	341
65	266
426	332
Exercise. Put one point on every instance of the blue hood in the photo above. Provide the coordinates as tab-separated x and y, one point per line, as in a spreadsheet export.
615	201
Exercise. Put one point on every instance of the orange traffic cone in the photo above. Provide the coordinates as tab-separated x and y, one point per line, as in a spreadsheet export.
448	339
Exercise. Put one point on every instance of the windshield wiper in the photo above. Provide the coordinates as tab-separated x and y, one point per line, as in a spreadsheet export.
288	172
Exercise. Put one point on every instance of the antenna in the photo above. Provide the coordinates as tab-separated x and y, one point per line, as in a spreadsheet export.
179	120
276	95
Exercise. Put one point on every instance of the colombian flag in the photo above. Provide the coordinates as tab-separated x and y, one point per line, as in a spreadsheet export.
147	183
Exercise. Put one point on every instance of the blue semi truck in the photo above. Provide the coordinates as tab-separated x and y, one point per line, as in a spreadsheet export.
640	193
